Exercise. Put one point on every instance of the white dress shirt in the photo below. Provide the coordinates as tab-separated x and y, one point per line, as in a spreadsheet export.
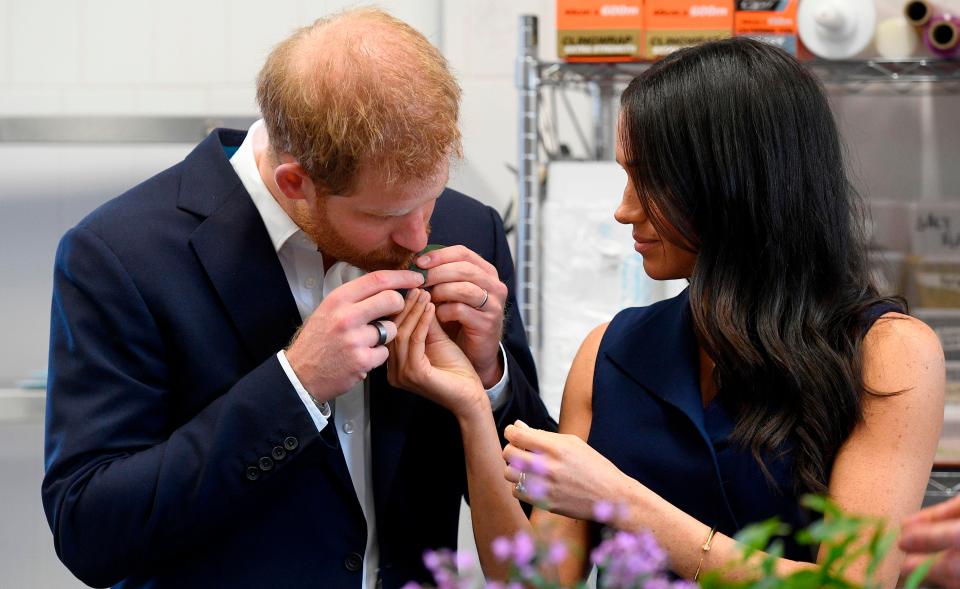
309	284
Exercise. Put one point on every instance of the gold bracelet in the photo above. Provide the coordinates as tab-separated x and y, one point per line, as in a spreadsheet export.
705	548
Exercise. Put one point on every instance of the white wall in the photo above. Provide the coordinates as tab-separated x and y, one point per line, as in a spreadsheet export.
177	57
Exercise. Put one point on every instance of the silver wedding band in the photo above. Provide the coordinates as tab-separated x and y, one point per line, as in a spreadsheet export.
521	484
486	295
381	333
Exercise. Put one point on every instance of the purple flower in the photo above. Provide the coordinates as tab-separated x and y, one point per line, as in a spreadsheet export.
558	552
431	559
464	560
412	585
656	583
600	554
445	579
527	572
518	463
502	547
538	464
603	511
629	559
625	541
536	487
524	549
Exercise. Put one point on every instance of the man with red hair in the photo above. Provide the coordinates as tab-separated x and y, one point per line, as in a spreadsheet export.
219	413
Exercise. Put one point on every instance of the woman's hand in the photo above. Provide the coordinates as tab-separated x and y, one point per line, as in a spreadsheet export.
424	360
563	474
934	530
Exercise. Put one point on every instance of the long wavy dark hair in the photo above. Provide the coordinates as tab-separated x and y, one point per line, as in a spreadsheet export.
735	155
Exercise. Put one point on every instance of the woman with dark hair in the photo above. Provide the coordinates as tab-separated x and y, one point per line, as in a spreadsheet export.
779	371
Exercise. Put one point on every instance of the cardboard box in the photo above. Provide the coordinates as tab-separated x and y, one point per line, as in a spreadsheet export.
674	24
887	270
946	324
772	21
933	281
935	229
600	30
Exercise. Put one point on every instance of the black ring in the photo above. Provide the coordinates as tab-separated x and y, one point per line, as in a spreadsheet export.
381	333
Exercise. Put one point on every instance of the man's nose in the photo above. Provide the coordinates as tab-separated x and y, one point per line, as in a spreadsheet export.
412	235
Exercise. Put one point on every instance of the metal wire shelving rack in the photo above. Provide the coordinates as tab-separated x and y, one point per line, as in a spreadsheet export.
538	81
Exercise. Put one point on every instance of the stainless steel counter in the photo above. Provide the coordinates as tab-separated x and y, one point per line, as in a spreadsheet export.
27	558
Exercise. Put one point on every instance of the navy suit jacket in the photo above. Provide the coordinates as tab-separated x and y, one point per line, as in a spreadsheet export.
178	453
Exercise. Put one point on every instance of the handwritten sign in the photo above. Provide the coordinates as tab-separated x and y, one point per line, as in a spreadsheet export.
936	230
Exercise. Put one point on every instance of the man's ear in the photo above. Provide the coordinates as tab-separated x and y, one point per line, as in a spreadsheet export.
293	181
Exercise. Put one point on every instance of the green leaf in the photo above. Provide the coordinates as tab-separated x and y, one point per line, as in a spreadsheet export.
413	265
756	537
834	530
820	504
803	579
919	573
879	547
774	553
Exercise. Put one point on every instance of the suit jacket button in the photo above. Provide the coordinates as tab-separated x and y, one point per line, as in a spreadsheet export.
353	562
266	463
253	473
278	453
291	443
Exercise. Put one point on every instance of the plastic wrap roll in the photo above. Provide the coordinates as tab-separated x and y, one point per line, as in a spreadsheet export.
836	29
943	35
896	38
918	12
589	267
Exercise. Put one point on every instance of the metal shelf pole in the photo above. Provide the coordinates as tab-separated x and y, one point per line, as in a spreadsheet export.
528	172
604	116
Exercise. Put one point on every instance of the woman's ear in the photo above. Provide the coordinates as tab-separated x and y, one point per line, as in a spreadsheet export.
293	181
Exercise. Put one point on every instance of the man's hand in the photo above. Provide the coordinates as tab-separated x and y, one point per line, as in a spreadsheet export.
337	346
470	300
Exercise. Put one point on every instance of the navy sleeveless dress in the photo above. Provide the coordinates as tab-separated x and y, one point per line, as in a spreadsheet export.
649	420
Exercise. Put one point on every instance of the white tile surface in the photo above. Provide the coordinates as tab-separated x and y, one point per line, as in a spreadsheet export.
480	38
6	43
118	42
488	125
45	42
422	15
119	99
190	42
311	10
174	100
251	33
237	99
23	100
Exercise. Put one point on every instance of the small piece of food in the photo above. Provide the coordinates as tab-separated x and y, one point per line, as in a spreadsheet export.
413	265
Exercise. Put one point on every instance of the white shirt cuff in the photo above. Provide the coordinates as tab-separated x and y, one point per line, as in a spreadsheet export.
498	393
319	412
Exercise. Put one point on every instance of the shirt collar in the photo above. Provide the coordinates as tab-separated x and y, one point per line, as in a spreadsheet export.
279	225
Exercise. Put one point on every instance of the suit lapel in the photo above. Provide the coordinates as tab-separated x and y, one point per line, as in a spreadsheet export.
235	250
661	354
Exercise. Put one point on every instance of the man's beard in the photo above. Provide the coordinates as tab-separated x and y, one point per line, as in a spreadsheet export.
332	244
